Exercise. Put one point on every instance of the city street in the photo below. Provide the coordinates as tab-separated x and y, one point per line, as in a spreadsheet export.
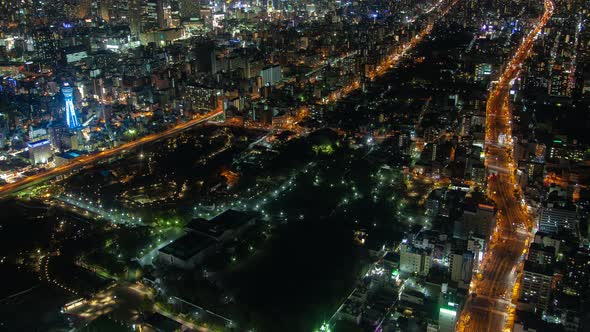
490	309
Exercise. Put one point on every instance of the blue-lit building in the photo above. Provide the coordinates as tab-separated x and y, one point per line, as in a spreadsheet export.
71	117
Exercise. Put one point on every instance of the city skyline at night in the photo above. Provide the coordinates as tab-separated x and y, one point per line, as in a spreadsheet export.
188	165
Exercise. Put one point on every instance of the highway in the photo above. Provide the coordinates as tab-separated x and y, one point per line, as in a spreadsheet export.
88	160
496	288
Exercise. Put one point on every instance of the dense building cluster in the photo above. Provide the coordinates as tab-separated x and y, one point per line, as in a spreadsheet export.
295	165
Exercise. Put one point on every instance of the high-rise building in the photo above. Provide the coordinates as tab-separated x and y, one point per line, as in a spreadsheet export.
482	72
541	254
71	118
577	273
149	15
39	151
548	240
477	219
271	75
478	247
447	316
201	97
3	130
554	220
174	8
46	43
163	11
134	7
189	8
537	281
561	150
414	260
558	84
119	11
56	134
82	8
461	268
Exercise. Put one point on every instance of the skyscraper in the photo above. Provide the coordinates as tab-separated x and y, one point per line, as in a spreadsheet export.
189	8
537	282
71	117
134	16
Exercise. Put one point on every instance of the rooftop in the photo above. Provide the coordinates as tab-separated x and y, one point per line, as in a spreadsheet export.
214	228
162	323
187	245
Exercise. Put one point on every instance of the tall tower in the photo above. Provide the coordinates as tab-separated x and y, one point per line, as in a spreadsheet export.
71	117
189	9
134	16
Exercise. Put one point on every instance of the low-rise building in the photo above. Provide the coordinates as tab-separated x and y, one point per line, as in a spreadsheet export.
186	251
203	237
225	226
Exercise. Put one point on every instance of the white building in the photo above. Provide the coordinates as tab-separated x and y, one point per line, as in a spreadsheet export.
414	260
447	317
39	151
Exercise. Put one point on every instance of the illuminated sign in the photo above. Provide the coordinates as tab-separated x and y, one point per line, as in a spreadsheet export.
448	312
37	143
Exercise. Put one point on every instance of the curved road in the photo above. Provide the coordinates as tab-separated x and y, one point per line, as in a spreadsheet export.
87	160
491	309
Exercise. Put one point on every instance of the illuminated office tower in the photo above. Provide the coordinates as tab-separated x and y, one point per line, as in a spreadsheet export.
134	7
71	117
189	9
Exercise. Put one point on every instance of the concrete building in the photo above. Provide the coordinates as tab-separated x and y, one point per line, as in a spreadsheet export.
201	97
223	227
554	220
39	151
271	75
447	317
477	219
461	268
186	251
203	237
544	255
414	260
478	247
483	71
434	202
189	9
72	120
161	37
577	273
66	157
412	296
548	240
537	281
